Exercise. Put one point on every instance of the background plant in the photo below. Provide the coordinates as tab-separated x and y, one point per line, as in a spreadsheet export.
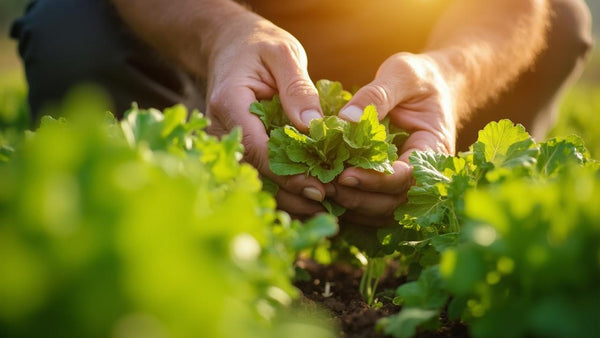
146	227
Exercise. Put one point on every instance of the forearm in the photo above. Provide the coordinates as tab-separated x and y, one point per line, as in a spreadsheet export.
184	31
482	46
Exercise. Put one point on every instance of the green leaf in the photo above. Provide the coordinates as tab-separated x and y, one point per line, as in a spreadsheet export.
327	171
279	160
405	323
366	130
5	153
332	96
314	230
427	200
428	292
333	207
431	168
503	144
270	113
270	186
556	153
446	241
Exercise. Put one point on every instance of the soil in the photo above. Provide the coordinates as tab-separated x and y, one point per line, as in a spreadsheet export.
349	311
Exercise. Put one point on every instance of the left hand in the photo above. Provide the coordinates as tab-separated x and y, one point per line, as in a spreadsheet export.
418	98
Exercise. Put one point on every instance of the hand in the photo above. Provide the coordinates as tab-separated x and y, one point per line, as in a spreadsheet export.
413	92
253	59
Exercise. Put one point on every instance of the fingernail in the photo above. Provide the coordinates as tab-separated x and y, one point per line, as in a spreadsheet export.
309	115
313	194
349	181
352	113
329	189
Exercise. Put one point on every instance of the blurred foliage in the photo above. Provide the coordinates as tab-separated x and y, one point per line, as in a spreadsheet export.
580	115
518	254
10	9
529	263
14	113
144	228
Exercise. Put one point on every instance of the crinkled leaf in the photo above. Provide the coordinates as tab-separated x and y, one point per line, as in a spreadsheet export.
556	153
504	144
270	113
430	167
375	157
332	96
428	201
328	171
366	130
279	160
295	135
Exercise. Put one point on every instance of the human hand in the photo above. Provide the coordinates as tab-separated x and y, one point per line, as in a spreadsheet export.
253	59
413	91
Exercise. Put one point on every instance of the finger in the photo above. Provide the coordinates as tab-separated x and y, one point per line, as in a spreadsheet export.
299	97
369	180
385	92
368	203
424	141
307	186
297	205
230	107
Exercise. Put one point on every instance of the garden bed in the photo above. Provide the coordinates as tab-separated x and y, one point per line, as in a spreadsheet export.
349	312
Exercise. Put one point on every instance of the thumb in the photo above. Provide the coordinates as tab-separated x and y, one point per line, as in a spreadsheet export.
381	93
299	97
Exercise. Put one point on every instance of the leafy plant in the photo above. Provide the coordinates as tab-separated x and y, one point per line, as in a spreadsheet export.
331	144
145	227
478	215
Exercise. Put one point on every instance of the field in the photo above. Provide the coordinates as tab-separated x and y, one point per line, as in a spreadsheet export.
150	227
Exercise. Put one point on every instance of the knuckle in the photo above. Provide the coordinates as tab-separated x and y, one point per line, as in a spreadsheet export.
351	202
216	99
378	95
299	87
397	200
293	183
286	183
287	47
252	153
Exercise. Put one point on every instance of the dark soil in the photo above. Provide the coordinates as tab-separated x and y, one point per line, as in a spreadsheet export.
349	311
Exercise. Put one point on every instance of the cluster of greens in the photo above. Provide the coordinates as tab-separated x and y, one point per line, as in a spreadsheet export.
331	144
147	227
504	237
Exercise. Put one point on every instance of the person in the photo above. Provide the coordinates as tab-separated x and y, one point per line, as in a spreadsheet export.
440	69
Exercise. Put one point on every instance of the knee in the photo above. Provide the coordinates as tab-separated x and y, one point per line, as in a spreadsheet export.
63	43
571	28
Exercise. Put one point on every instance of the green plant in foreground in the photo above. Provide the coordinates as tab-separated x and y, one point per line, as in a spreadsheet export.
147	227
509	230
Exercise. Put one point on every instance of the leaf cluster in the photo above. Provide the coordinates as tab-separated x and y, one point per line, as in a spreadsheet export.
145	227
331	144
503	230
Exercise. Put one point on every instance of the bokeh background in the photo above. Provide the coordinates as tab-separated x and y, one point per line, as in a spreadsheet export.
580	110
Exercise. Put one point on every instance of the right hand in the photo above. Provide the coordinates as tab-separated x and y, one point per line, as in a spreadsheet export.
252	59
